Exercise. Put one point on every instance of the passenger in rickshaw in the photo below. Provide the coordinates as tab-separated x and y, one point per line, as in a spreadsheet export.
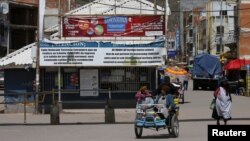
167	99
143	96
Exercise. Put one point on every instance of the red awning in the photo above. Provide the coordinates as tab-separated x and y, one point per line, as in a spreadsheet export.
247	62
236	64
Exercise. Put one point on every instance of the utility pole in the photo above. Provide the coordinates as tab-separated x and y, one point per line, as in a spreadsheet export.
208	26
181	52
39	37
221	34
166	30
59	68
238	28
155	7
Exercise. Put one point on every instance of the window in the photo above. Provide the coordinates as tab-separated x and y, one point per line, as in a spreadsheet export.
2	37
71	78
171	45
223	12
190	33
190	47
125	79
218	49
190	19
220	29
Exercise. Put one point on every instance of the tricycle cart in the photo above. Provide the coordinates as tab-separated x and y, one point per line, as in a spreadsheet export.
152	118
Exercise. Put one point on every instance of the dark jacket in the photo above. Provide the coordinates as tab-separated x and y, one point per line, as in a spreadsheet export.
166	81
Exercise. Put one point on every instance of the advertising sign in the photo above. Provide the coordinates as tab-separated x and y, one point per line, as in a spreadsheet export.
101	54
177	36
113	26
172	54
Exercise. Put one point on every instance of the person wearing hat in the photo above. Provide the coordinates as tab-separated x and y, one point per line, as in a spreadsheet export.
223	103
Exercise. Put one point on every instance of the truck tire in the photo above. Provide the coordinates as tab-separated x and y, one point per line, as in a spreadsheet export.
194	85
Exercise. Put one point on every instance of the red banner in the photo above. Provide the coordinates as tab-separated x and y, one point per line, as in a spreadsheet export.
113	26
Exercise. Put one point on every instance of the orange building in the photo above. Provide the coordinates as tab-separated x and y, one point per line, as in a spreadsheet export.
244	24
244	37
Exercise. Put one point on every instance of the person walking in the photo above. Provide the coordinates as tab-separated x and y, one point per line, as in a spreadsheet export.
223	103
185	81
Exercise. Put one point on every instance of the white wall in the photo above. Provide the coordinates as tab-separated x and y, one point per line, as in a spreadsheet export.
227	22
50	20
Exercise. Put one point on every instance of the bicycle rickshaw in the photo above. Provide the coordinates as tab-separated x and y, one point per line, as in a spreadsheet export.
181	91
152	118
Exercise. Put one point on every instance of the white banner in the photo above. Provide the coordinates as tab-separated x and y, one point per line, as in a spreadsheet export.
101	54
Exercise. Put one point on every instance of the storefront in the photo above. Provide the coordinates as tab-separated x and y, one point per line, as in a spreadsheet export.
90	69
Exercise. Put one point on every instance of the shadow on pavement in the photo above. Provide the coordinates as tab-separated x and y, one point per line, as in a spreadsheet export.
159	136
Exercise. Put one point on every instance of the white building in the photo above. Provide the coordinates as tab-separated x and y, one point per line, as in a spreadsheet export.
220	25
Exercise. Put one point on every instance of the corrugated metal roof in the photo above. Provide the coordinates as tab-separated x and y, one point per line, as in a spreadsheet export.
103	7
107	7
20	57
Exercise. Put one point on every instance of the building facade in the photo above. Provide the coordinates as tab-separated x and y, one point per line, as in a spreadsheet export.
19	24
185	7
104	69
220	27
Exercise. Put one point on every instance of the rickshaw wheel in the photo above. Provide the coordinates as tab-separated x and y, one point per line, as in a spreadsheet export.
138	131
174	126
169	130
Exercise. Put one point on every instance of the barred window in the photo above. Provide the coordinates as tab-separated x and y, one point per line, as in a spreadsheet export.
126	79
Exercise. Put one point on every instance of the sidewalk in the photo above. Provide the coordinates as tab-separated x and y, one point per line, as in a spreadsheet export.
70	117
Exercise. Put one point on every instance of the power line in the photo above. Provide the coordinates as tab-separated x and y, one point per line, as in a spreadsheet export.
120	6
213	10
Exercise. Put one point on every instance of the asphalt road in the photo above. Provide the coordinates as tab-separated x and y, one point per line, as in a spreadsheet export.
88	125
189	131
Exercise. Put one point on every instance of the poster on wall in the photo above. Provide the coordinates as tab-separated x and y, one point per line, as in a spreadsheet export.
101	54
113	26
89	82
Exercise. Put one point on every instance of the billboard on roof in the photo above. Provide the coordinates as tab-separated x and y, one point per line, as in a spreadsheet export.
113	26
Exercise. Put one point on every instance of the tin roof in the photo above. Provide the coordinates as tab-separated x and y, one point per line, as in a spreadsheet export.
112	7
20	57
